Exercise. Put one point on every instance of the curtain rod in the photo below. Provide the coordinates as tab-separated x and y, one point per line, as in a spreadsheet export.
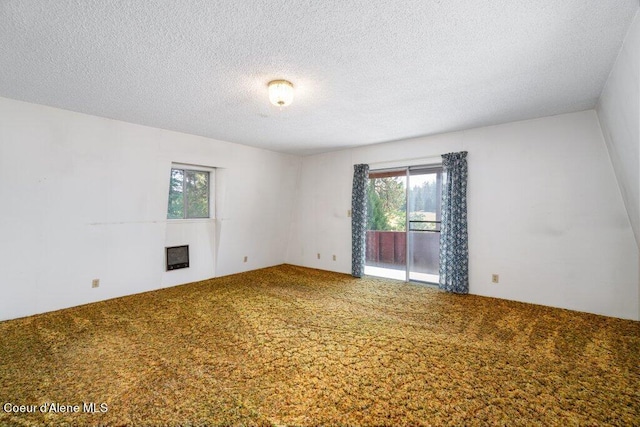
403	163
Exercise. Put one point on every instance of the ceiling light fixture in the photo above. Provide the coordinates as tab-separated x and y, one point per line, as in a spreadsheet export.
280	92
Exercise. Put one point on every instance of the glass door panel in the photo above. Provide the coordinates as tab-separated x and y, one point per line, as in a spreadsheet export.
386	224
424	216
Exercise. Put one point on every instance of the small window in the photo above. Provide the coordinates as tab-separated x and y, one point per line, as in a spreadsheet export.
189	194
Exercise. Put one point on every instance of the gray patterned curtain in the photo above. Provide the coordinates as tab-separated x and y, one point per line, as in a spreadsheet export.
454	248
359	219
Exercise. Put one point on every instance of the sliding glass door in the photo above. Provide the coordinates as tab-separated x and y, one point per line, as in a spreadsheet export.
403	234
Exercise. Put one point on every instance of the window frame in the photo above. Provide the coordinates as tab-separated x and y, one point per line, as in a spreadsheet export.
184	167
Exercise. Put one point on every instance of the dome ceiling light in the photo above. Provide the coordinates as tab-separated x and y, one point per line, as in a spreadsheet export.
280	92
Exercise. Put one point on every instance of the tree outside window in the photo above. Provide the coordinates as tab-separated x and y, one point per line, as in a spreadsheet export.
188	194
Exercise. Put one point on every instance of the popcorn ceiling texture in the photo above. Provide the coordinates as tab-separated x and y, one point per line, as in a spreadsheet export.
299	347
365	71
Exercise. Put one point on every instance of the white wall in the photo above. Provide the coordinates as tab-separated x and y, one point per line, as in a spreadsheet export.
619	113
85	197
543	206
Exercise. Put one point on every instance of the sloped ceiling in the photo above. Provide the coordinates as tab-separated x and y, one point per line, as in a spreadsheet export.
365	71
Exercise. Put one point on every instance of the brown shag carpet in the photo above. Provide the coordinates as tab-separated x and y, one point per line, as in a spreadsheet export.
293	346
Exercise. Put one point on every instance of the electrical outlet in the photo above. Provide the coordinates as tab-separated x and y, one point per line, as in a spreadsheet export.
95	283
246	258
334	257
318	255
495	278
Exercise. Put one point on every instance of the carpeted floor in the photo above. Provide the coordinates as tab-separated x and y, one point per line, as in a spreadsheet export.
294	346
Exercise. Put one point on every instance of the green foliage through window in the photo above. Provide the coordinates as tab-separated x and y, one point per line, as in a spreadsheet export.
387	208
387	201
423	203
188	194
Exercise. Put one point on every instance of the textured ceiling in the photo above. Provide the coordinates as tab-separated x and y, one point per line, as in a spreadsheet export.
365	71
